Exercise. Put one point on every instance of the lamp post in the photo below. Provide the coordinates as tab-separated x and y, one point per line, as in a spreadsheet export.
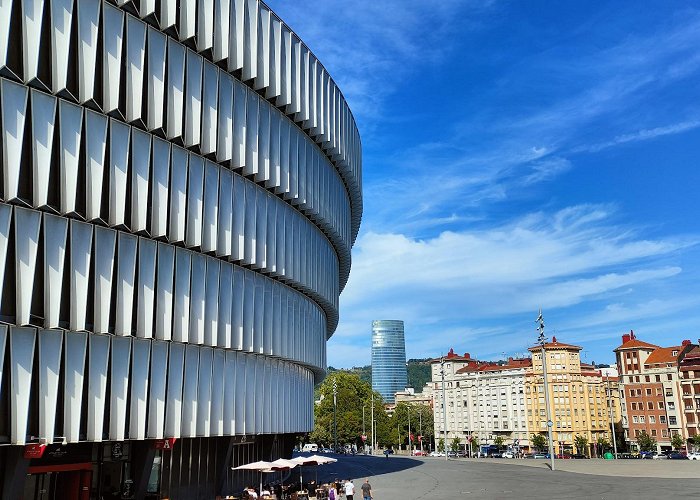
542	340
335	419
408	409
420	428
444	405
372	424
612	418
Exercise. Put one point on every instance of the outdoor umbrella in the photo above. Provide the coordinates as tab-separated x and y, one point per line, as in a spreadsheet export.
313	460
258	466
283	464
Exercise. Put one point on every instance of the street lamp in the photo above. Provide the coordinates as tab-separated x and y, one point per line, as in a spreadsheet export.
444	404
335	419
612	418
542	340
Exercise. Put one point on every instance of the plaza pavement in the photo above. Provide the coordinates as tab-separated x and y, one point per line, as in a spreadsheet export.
406	478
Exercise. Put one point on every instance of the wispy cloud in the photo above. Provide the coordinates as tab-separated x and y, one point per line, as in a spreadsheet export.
641	135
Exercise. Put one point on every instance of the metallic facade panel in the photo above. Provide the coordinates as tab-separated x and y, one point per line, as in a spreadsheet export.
135	61
21	346
211	307
112	48
43	120
70	118
155	77
13	98
119	386
50	344
140	179
125	283
27	229
105	248
160	188
55	240
176	374
75	345
95	159
146	288
165	291
157	384
138	392
98	358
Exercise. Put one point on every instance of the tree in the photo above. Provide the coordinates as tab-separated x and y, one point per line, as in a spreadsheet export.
677	441
454	444
693	442
646	442
538	441
603	444
581	443
421	422
441	445
499	441
352	393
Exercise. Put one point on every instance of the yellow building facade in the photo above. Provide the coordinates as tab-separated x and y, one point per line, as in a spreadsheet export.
577	397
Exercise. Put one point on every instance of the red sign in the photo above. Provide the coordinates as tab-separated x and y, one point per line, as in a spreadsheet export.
34	450
420	439
164	444
410	437
364	437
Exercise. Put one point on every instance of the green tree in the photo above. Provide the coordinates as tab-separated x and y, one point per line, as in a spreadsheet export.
581	443
474	443
538	441
677	441
603	444
454	444
693	442
646	442
421	422
352	393
441	445
499	441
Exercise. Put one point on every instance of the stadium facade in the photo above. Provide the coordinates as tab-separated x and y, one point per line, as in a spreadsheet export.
180	192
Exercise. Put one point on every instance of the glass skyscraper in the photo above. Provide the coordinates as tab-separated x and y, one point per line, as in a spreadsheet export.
388	358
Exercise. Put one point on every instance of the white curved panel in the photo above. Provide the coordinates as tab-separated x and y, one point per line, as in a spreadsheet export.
168	13
188	22
224	146
134	64
119	137
139	388
80	255
240	99
222	10
263	172
112	44
21	346
50	346
217	393
224	244
27	225
157	386
193	98
5	17
248	311
250	37
70	118
88	23
164	291
61	17
250	165
244	413
189	392
175	87
225	309
32	20
236	40
140	176
211	207
258	313
238	293
146	288
251	200
263	198
195	201
262	78
181	308
14	111
156	45
125	283
55	237
176	374
5	226
75	345
269	311
239	218
105	245
97	385
198	296
43	119
229	401
205	24
178	194
95	150
119	387
211	307
204	392
210	99
160	188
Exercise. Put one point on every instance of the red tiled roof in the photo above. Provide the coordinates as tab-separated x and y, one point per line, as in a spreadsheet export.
663	355
636	344
554	345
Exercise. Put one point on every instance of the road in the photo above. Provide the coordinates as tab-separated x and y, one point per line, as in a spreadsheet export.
408	478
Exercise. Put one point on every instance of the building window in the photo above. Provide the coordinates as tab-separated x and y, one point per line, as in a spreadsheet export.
652	419
669	376
648	392
664	433
658	378
642	419
653	432
647	379
671	420
635	419
662	419
661	405
650	405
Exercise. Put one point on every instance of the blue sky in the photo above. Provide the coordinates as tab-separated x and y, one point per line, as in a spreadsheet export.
518	155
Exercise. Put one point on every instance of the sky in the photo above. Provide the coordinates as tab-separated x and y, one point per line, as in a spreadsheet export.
517	156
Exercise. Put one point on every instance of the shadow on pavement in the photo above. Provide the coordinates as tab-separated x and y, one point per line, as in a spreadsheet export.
356	467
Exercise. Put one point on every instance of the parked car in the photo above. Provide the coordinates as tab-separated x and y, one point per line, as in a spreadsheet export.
310	448
436	454
325	450
540	455
419	453
579	456
678	455
508	454
694	456
653	455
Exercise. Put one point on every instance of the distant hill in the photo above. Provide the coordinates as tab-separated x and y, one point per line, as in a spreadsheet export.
418	372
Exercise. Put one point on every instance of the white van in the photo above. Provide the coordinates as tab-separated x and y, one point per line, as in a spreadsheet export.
310	448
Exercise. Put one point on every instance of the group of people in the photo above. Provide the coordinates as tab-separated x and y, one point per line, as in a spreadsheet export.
337	489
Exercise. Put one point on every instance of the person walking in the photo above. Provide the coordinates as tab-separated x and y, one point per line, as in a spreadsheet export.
366	490
349	488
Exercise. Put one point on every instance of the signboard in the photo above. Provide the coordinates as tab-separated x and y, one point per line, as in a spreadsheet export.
34	451
164	444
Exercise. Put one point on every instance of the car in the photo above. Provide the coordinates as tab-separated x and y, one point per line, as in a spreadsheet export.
310	448
436	454
653	455
508	454
540	455
325	450
419	453
694	456
679	455
579	456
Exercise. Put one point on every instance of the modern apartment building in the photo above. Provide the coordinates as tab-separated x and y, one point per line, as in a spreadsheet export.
181	190
649	389
388	358
577	397
483	400
689	377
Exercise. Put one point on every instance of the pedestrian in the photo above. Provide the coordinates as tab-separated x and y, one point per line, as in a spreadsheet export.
332	492
366	490
349	488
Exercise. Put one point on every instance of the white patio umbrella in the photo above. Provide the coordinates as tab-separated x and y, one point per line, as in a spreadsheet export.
283	464
259	466
312	460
